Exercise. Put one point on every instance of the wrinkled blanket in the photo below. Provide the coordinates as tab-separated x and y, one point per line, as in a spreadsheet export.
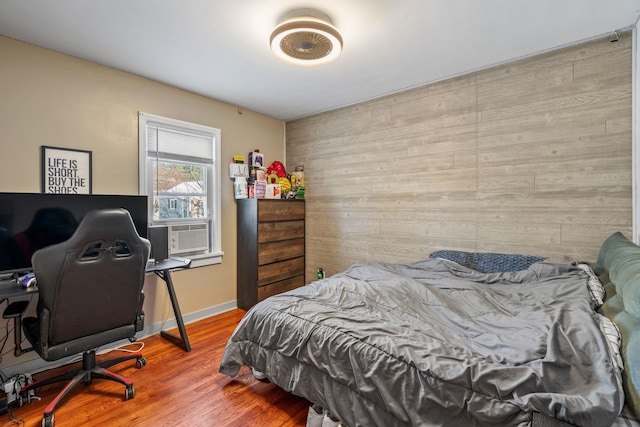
436	344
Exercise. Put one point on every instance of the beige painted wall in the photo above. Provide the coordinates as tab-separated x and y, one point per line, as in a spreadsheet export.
47	98
529	157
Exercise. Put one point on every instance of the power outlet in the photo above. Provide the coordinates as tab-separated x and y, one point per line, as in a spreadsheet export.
12	387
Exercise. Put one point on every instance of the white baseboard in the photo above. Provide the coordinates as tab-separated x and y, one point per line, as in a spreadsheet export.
189	318
35	364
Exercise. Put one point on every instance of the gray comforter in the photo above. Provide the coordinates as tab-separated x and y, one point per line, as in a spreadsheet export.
436	344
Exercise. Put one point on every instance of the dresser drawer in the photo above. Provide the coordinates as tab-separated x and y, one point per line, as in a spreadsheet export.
279	251
280	210
280	230
279	287
271	248
280	271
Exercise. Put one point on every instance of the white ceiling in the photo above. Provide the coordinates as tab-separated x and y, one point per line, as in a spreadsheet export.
220	48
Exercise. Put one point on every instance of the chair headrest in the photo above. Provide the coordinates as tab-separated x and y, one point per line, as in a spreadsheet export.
105	224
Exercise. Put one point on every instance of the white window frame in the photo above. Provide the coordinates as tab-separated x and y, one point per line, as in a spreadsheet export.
214	256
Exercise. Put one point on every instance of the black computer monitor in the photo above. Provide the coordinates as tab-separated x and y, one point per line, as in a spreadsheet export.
30	221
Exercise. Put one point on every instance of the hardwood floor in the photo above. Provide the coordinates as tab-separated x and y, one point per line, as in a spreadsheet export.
174	389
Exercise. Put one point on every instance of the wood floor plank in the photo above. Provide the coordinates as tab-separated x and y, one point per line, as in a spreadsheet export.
174	389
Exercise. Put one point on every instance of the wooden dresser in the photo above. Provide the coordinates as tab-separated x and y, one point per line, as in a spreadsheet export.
270	248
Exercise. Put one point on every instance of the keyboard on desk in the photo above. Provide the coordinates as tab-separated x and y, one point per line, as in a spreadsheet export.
10	289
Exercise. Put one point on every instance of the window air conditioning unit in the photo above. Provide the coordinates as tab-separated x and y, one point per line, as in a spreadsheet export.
188	238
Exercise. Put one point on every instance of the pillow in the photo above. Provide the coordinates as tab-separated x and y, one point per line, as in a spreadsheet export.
612	334
595	286
487	262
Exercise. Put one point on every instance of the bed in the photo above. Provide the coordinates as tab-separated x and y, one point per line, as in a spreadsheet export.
457	342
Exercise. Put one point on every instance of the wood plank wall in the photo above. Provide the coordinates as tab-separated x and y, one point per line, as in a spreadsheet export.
533	157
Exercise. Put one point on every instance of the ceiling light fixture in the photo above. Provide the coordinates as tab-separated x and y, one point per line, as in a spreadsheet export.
306	39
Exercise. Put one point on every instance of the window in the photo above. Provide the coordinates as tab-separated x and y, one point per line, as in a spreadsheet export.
180	173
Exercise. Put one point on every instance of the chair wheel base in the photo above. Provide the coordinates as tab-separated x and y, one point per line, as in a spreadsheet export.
141	362
129	392
48	421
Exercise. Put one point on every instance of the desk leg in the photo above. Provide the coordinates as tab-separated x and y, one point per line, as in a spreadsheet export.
183	339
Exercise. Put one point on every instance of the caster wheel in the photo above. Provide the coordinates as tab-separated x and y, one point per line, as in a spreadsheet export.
48	421
141	362
129	392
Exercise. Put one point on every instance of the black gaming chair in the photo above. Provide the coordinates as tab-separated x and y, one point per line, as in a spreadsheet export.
90	294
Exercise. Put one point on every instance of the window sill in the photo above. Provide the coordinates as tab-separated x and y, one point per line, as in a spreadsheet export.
206	259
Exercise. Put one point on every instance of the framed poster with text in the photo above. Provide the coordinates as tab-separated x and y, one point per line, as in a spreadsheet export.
66	171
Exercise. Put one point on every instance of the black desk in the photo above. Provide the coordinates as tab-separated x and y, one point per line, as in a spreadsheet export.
163	270
10	289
